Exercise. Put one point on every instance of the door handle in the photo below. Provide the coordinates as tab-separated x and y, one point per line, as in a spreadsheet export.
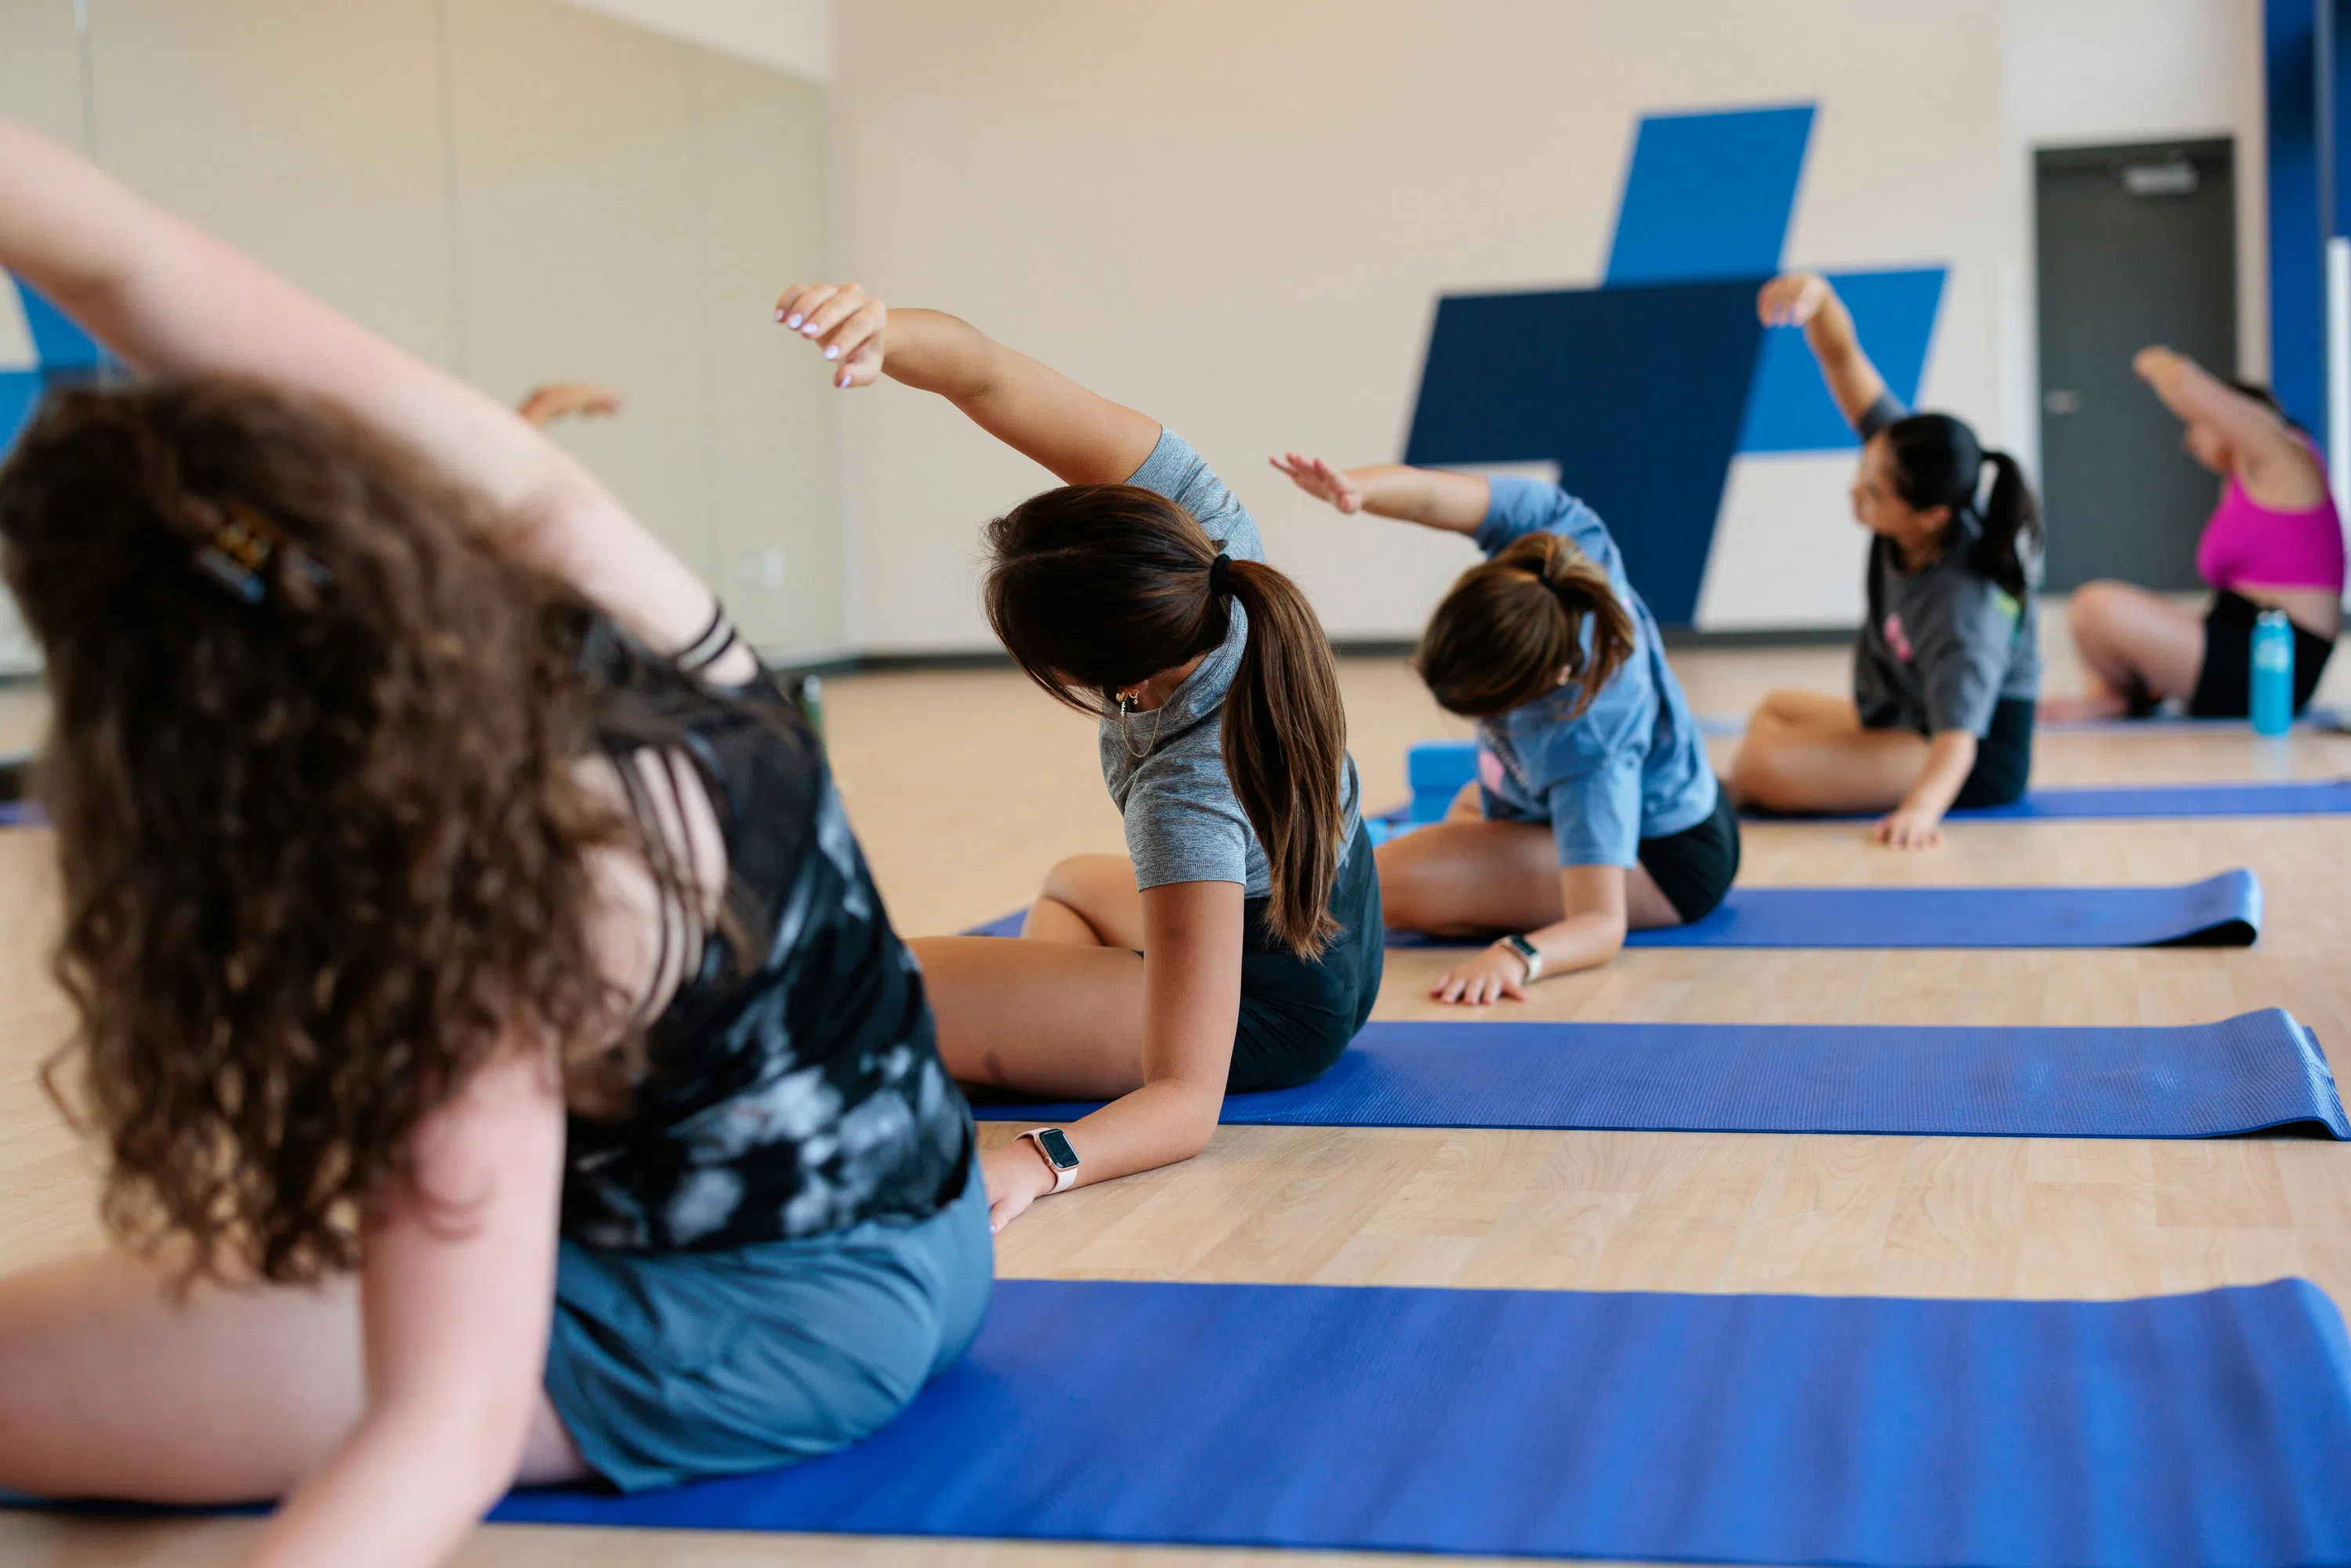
2061	401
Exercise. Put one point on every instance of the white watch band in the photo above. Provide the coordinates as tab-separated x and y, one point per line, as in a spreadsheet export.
1526	953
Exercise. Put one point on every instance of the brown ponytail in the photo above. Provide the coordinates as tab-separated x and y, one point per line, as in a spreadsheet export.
1094	588
1508	628
1285	744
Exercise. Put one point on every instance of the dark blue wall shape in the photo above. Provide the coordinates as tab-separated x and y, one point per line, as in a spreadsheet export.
2297	289
1708	196
1636	393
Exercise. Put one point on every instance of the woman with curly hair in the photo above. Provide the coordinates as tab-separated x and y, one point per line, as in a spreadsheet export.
506	1067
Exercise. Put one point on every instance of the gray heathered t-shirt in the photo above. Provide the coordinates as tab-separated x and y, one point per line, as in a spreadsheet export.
1183	821
1942	646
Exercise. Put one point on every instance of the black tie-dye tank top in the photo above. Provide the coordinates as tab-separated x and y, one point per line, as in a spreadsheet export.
792	1088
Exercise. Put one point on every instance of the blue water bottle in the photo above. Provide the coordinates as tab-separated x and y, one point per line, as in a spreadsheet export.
2273	694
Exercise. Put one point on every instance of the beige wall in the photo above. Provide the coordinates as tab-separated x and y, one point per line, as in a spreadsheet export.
1239	216
520	191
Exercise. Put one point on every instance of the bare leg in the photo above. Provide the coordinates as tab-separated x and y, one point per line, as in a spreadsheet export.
2129	640
1090	900
1049	1019
1464	878
1806	751
109	1387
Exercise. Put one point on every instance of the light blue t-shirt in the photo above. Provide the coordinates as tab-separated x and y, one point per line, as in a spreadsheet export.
1165	768
1630	767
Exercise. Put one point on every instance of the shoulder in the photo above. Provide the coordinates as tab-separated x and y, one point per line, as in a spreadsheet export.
1887	410
1179	473
1518	506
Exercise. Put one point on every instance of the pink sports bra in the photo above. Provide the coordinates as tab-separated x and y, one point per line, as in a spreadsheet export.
2248	542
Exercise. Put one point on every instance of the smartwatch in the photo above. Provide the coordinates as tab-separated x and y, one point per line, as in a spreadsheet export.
1054	1145
1528	955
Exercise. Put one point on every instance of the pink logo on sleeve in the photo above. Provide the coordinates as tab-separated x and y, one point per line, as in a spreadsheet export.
1897	639
1489	770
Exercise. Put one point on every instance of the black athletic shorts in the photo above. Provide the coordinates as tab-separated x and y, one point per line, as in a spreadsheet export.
2003	756
2224	686
1694	868
1297	1016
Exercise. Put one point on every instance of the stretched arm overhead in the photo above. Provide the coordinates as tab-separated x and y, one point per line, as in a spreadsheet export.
1083	437
2274	463
1432	497
170	301
1805	299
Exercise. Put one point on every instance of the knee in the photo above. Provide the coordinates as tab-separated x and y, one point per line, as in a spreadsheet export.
1758	773
1072	881
2091	608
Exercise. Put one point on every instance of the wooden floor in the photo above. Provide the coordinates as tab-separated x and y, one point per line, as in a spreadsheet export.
966	786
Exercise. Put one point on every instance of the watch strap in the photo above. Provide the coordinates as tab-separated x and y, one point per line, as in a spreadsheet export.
1529	955
1062	1175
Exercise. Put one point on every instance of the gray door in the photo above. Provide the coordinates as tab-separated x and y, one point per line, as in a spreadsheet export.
2137	245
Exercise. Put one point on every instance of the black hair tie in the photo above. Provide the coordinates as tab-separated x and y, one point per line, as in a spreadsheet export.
1219	576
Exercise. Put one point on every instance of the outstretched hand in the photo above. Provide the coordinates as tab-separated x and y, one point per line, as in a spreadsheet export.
1909	828
1792	299
1320	480
850	325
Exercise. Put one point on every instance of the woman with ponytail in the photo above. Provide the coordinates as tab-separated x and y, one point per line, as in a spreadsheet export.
1594	811
1238	945
1948	665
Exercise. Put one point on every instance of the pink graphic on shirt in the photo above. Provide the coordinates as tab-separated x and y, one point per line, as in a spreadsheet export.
1899	640
1489	770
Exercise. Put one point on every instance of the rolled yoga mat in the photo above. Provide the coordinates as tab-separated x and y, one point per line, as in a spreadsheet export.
2195	1429
2246	1074
2224	911
1437	769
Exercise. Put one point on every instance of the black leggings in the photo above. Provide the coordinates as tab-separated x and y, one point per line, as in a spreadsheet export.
2224	684
2003	758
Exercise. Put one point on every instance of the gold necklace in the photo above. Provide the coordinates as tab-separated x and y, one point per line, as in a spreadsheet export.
1158	718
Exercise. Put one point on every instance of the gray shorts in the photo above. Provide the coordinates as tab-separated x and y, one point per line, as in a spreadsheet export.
679	1366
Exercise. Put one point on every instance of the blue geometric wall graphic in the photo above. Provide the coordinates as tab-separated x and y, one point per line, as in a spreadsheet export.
1636	393
1708	196
63	353
1642	391
1789	409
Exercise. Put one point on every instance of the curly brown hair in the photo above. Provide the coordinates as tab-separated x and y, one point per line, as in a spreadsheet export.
320	846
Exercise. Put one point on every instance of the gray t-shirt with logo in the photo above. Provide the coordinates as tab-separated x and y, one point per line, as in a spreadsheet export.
1942	646
1183	821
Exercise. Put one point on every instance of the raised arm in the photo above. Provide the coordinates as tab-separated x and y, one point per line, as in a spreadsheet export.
1432	497
1805	299
1082	436
170	299
2274	463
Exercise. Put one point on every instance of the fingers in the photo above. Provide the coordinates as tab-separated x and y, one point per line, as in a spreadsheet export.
793	306
855	339
825	315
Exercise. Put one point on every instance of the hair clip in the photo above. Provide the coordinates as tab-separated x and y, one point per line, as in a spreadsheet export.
241	548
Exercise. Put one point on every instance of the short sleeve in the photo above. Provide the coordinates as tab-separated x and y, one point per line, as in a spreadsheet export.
1595	818
1963	657
1517	506
1887	410
1177	471
1183	823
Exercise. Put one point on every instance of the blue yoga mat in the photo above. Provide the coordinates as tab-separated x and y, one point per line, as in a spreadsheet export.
2189	1430
2224	911
2246	1074
1437	769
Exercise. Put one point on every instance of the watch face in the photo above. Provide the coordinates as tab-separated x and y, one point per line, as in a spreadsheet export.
1057	1148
